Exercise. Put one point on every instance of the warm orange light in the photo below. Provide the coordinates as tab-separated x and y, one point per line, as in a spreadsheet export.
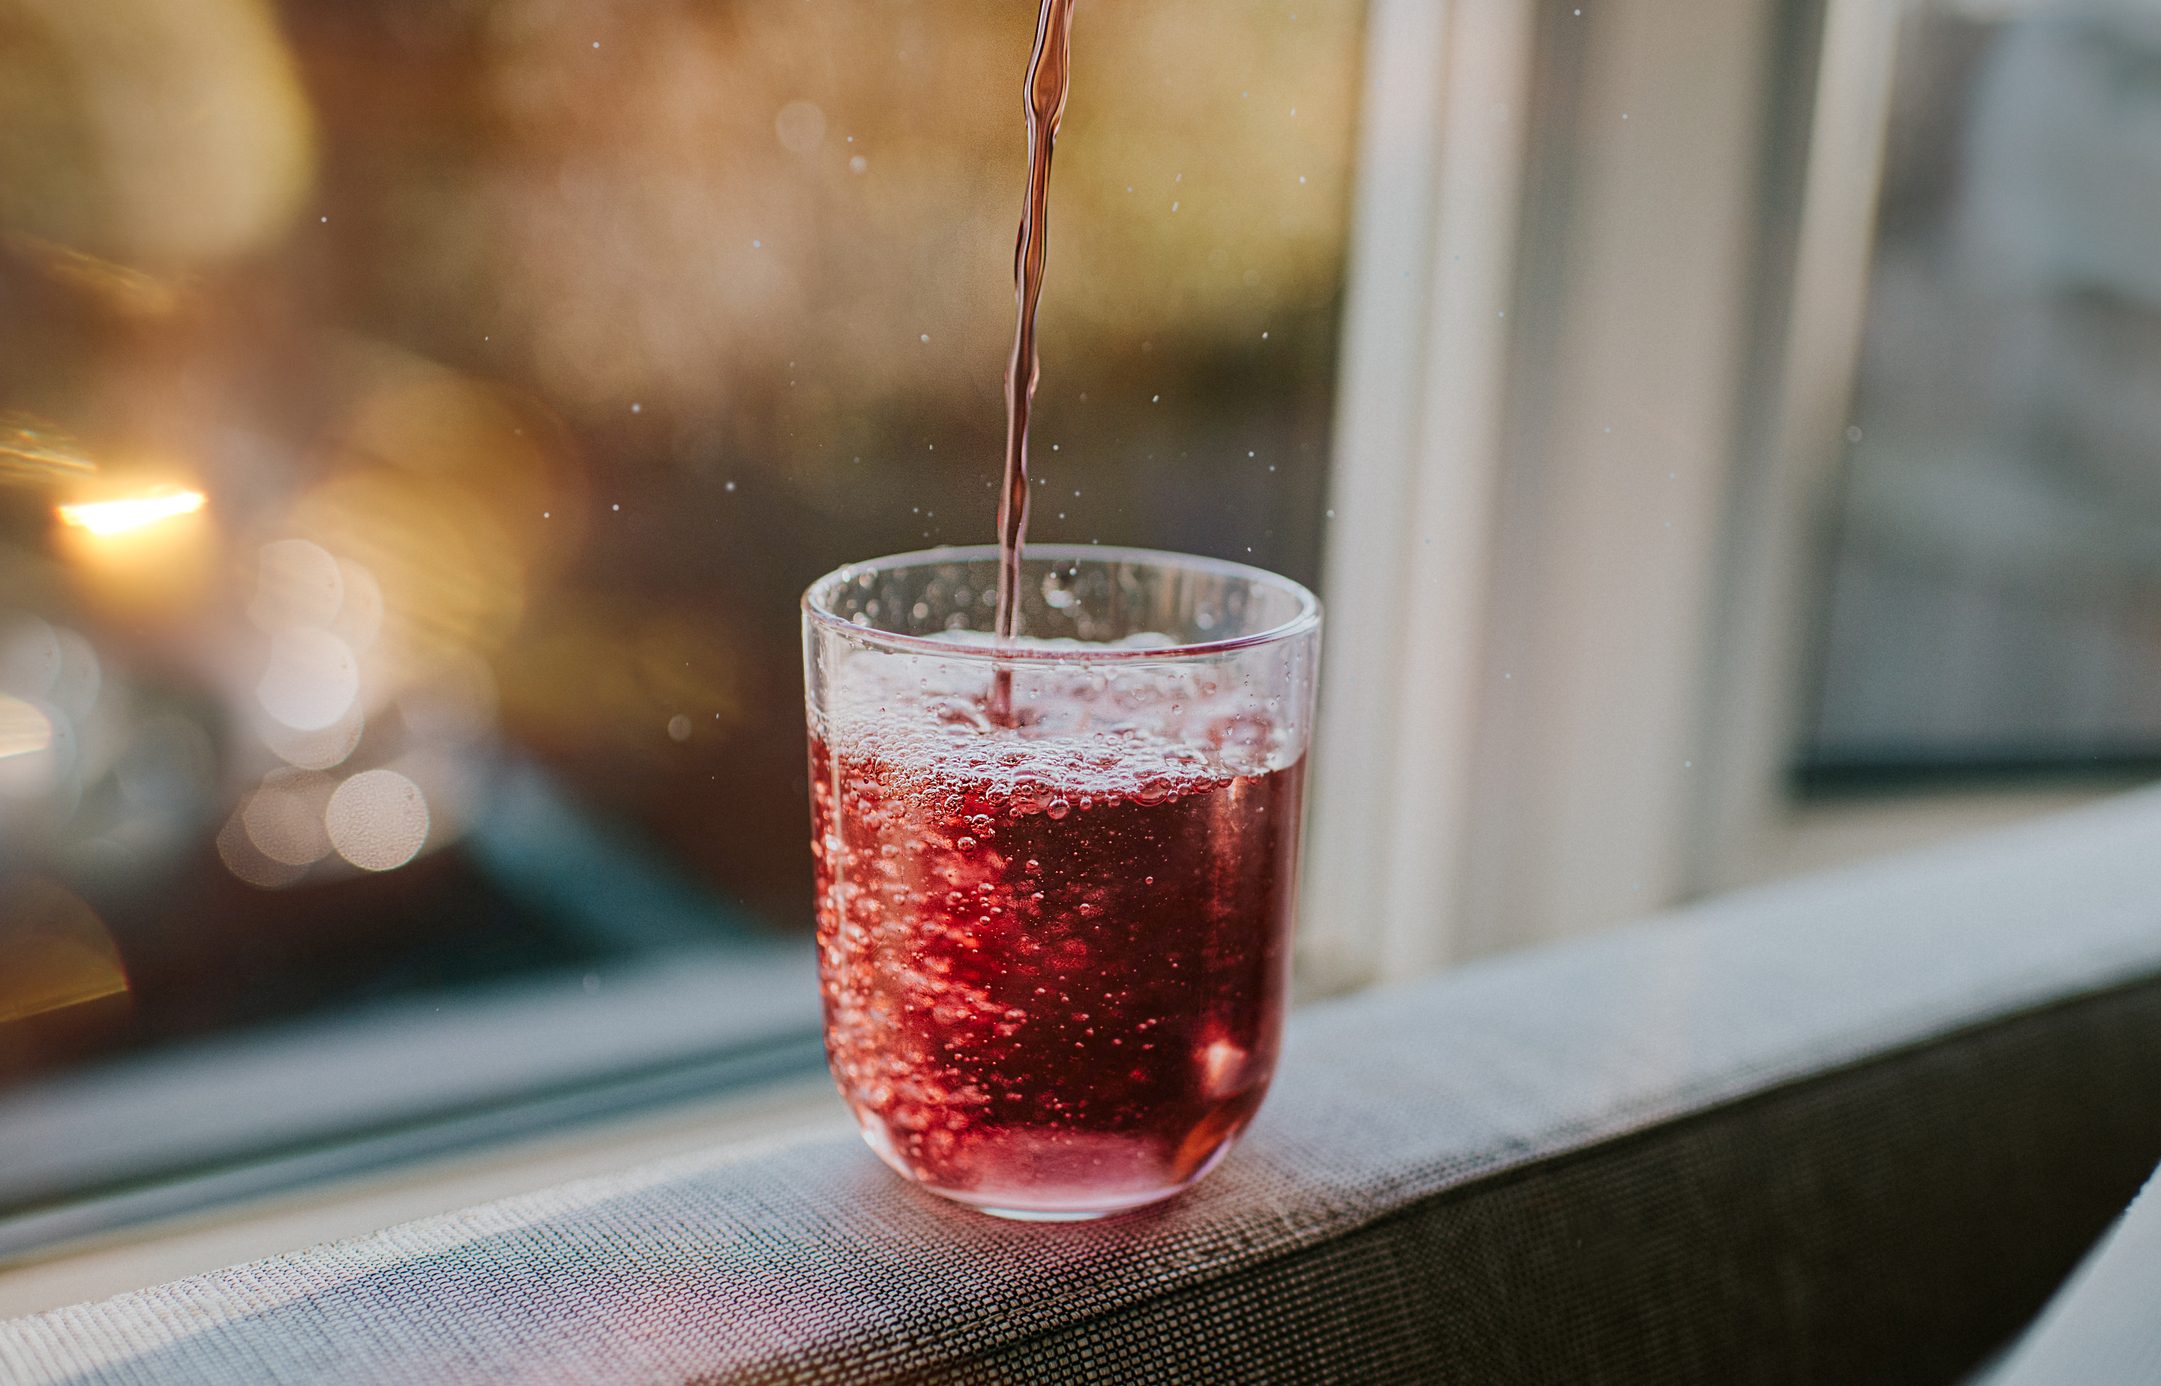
24	730
131	512
148	551
54	953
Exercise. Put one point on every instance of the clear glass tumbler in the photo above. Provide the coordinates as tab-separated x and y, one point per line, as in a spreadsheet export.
1056	876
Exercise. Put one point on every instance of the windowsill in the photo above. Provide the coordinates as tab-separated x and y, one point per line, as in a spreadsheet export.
147	1255
1820	835
235	1117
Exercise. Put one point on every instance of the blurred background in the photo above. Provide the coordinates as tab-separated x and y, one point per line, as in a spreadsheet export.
418	420
1994	600
419	417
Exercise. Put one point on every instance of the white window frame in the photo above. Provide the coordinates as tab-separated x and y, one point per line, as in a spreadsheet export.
1597	360
1416	447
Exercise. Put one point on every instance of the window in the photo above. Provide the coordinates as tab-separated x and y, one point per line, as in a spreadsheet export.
1995	565
419	421
1740	459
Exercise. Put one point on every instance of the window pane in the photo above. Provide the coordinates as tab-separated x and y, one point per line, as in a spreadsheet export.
1995	601
463	392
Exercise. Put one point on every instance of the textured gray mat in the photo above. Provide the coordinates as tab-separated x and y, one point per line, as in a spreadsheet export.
813	1263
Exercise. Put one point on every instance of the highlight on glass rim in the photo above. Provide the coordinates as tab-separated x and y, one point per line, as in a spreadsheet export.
479	479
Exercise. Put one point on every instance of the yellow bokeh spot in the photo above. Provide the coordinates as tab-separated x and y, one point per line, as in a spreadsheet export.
54	951
128	513
24	729
140	551
152	132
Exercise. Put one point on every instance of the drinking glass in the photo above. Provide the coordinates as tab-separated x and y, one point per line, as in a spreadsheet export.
1056	875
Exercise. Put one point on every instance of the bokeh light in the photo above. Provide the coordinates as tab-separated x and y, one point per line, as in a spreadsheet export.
313	680
321	613
140	551
54	950
319	749
37	750
378	820
127	513
250	863
284	817
24	730
149	131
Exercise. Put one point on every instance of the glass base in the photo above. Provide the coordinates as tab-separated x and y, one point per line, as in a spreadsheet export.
1030	1215
1055	1199
1110	1204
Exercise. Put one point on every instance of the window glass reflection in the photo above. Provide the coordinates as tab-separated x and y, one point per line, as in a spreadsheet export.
417	422
1995	601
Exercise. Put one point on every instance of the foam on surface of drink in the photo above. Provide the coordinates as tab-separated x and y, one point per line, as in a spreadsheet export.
1146	731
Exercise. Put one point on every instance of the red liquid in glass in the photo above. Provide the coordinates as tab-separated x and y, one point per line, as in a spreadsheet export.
1054	968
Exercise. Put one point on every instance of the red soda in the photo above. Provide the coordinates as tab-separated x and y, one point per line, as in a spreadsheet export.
1054	960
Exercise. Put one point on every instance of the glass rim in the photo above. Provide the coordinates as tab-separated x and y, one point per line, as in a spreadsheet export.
818	609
